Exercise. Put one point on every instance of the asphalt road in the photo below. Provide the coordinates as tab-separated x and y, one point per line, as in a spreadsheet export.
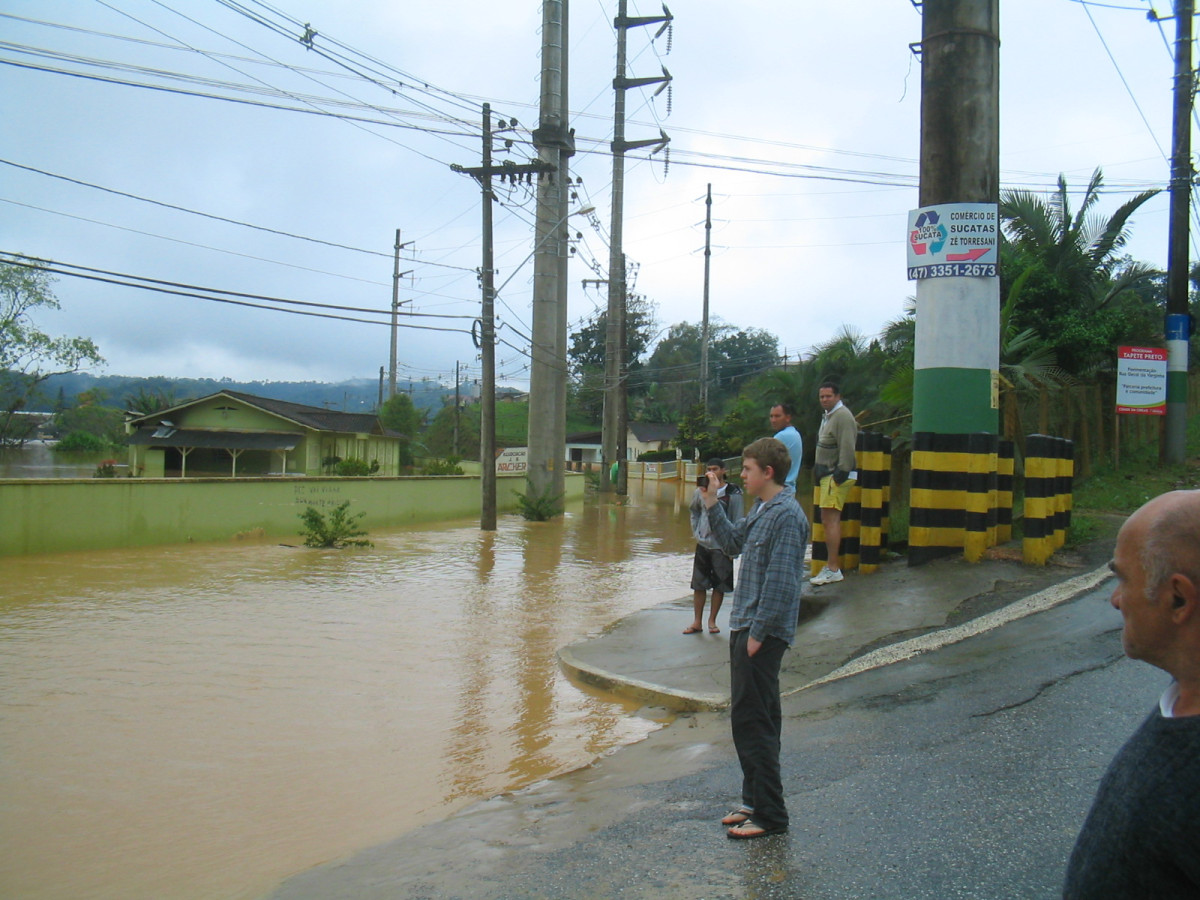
965	772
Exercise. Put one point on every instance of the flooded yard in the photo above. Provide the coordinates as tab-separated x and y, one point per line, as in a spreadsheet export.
203	721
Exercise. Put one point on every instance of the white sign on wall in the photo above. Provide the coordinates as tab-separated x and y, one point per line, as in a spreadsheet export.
512	461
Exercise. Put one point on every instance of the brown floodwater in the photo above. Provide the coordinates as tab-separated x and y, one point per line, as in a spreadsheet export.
203	721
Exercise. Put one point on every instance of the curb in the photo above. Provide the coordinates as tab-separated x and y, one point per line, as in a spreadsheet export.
655	694
904	650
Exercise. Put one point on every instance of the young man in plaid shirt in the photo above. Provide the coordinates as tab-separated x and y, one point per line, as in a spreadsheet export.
766	605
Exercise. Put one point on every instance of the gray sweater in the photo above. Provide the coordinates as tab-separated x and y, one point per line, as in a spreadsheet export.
1142	836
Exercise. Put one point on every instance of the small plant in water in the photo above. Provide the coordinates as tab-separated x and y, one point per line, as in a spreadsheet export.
339	531
538	507
106	469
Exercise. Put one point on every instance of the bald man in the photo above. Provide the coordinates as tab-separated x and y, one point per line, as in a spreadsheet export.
1142	835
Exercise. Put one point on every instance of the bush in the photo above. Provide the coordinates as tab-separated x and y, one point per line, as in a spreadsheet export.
338	531
442	467
106	469
353	466
82	440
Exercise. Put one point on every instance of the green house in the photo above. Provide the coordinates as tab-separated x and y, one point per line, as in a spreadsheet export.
230	434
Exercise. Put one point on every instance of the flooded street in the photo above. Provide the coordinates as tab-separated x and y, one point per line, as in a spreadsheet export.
204	721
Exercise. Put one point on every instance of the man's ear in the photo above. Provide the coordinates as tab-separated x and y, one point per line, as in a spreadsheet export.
1185	598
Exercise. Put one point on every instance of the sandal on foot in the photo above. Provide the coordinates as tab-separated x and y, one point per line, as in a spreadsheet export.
749	830
738	816
692	629
713	629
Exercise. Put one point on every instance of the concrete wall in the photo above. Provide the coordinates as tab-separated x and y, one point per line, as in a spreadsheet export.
57	515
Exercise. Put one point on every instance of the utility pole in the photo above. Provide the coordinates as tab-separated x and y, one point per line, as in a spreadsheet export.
615	424
457	406
487	329
704	320
1178	324
396	276
957	353
548	351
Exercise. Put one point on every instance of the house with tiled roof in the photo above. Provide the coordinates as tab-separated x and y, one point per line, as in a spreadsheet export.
231	433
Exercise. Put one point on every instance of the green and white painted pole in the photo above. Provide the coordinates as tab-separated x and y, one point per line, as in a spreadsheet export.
953	235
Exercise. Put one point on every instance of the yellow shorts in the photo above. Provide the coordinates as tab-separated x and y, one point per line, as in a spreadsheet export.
834	496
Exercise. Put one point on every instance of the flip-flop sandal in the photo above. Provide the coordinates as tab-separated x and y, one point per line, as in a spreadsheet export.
714	630
691	630
738	816
762	831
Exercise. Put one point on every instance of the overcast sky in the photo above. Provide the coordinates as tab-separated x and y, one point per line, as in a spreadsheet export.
803	115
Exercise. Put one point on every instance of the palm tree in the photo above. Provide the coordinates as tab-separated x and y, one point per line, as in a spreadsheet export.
1075	276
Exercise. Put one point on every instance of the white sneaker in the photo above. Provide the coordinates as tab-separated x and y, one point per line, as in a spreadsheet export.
826	576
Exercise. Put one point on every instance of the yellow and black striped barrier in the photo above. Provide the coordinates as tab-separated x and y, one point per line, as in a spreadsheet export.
938	496
866	517
1004	491
1049	482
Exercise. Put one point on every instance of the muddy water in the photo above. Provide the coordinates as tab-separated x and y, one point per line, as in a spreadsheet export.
203	721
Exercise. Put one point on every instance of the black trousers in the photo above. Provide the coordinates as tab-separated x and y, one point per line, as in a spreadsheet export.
757	721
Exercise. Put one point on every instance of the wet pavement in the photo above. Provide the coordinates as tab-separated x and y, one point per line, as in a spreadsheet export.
861	625
646	657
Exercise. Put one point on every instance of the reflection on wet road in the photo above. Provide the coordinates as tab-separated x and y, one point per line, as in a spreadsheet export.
203	721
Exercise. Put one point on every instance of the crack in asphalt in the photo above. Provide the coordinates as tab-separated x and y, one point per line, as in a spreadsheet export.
1046	685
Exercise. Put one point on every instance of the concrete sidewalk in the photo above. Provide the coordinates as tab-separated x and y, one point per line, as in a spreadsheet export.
646	657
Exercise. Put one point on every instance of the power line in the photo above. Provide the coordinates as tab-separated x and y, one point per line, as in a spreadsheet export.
205	293
212	216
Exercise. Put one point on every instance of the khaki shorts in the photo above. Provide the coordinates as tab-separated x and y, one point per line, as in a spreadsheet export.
834	496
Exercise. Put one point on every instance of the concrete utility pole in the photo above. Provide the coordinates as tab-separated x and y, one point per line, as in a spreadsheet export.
396	276
615	424
548	351
1178	325
957	355
704	319
487	330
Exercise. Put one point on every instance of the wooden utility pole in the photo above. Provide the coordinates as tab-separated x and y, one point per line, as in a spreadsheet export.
615	425
704	319
548	348
1178	324
487	327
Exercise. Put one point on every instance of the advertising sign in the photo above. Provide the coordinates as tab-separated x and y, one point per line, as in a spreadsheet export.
511	461
1142	380
953	240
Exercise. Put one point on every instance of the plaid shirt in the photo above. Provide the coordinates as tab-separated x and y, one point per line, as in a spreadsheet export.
771	540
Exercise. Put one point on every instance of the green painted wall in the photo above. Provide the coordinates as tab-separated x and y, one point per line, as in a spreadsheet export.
58	515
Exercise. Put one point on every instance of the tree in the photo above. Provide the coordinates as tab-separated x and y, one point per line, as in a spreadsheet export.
29	356
399	414
585	358
439	437
1079	294
672	374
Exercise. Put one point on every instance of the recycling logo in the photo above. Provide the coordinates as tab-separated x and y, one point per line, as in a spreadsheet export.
928	235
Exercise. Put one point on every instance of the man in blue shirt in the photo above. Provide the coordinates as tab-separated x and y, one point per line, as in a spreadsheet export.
766	605
786	433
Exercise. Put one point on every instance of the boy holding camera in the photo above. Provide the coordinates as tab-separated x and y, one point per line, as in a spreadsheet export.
712	568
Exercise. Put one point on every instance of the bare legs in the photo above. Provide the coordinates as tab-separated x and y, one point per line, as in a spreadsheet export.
698	598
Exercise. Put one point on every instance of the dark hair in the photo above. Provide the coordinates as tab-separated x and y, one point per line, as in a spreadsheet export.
785	408
832	385
770	452
715	461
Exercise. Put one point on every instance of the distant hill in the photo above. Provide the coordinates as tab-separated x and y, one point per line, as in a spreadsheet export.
358	395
